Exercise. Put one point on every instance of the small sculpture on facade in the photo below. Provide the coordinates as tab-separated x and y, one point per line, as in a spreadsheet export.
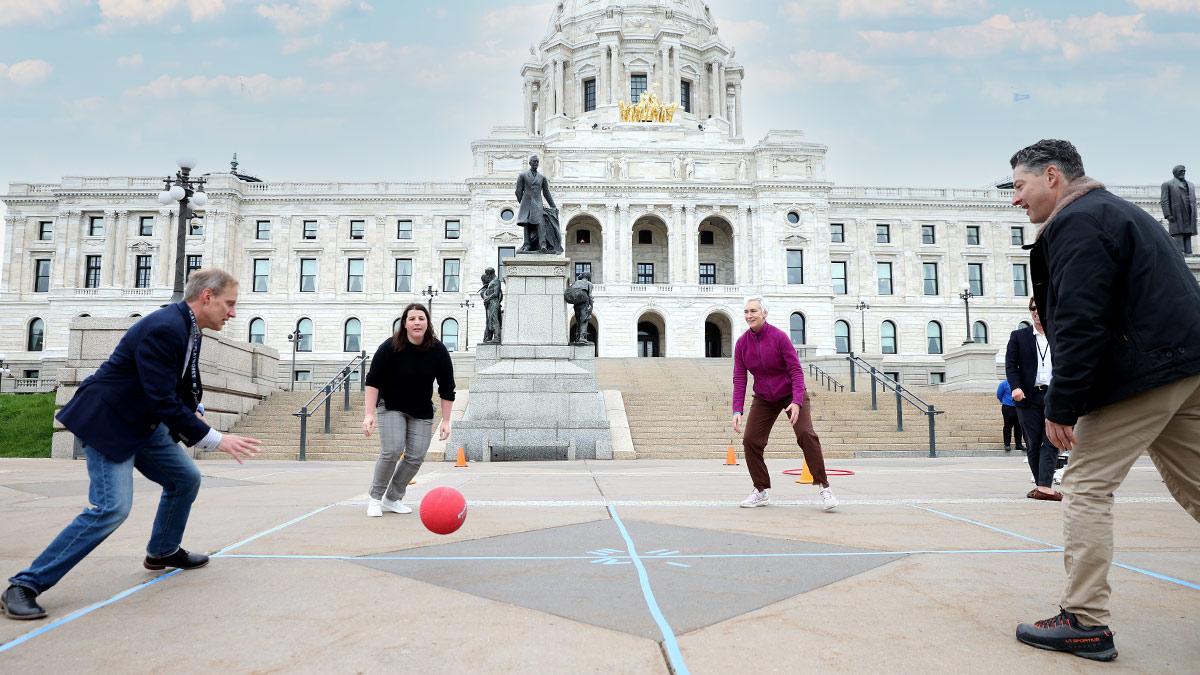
689	168
491	294
741	169
540	222
579	294
1179	208
622	168
675	167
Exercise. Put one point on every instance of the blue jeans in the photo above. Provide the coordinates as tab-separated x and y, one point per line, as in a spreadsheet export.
111	495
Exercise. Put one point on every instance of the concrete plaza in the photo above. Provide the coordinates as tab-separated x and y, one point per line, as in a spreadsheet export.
613	567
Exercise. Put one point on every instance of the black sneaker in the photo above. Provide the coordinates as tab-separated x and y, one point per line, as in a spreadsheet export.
20	602
1064	633
180	558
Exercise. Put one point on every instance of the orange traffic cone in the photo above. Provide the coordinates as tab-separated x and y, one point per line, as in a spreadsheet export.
462	458
806	476
730	456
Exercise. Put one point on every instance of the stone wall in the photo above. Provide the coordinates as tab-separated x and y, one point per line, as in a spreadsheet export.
237	375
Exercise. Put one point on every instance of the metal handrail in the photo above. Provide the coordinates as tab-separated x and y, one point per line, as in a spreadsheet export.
342	381
825	378
878	379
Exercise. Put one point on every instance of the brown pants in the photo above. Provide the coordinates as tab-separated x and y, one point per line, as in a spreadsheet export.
762	417
1164	421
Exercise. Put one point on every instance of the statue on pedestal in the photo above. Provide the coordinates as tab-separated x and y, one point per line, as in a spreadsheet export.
1179	208
540	222
579	294
491	295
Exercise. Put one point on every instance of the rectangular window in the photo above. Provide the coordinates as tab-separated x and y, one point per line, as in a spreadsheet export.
45	230
708	274
196	226
146	226
645	236
707	238
1020	281
41	275
645	273
308	275
142	278
937	378
355	270
1018	236
685	95
358	229
91	277
637	87
404	275
96	226
837	233
583	268
975	278
453	229
194	262
302	376
450	269
504	253
404	229
972	235
839	277
795	266
589	95
931	279
883	233
310	229
32	374
883	271
262	275
262	230
583	236
928	235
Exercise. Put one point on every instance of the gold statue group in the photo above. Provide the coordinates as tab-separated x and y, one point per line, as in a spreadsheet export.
647	109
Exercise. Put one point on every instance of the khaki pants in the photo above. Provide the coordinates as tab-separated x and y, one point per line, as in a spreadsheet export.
1165	422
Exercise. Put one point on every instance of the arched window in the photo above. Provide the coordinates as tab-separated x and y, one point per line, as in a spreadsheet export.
1024	324
304	335
352	336
135	315
84	315
933	333
887	338
36	340
796	324
450	335
258	331
841	337
980	333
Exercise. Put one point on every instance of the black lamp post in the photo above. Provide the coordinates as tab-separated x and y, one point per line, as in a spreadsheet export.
467	305
966	296
4	370
182	189
862	322
294	338
429	292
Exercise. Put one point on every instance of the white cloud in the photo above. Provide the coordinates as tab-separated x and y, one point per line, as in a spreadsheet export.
830	67
202	10
358	54
1073	37
258	87
735	33
516	19
300	44
25	73
130	61
290	17
17	12
135	11
881	9
1168	6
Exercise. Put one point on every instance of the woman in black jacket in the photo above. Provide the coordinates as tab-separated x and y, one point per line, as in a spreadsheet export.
398	400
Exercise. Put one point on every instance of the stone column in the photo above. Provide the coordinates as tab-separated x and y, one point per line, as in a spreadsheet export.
712	90
614	79
737	108
610	232
741	257
556	88
602	78
624	244
678	243
161	272
528	112
664	75
113	242
9	281
68	222
562	83
676	94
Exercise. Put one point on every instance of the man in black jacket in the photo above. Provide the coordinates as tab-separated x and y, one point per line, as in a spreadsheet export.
1122	314
1028	368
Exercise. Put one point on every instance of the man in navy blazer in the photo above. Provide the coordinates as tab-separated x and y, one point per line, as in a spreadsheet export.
132	414
1028	366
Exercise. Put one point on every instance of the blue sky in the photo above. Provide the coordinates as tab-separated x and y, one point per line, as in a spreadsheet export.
905	92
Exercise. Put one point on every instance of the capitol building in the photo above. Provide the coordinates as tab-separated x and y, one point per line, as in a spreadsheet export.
677	221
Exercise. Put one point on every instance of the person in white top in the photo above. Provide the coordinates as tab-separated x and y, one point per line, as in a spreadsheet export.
1029	368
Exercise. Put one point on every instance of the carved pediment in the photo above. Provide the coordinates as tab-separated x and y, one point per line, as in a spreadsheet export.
794	240
506	238
143	246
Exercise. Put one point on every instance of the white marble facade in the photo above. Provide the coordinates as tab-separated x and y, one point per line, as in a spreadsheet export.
688	183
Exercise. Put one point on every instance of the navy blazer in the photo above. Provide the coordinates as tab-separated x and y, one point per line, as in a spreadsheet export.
141	385
1021	366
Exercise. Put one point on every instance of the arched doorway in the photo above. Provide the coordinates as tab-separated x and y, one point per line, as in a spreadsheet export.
651	332
718	336
593	332
651	251
714	252
585	247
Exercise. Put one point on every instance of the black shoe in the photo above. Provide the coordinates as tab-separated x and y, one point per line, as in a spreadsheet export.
1008	448
180	558
1064	633
20	602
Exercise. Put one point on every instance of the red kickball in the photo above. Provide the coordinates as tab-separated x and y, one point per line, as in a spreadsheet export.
443	510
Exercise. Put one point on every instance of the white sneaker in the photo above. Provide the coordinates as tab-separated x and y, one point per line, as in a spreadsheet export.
374	510
1058	474
828	500
394	507
756	498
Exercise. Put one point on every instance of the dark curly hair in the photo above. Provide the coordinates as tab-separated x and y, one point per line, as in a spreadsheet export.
1050	151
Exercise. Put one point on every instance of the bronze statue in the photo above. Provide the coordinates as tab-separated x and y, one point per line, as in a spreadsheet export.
1179	208
541	231
491	295
580	295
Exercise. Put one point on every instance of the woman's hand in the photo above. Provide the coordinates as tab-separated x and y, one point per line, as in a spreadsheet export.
368	423
793	413
737	423
444	430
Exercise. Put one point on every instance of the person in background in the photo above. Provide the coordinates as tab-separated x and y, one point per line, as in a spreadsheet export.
1029	367
1009	413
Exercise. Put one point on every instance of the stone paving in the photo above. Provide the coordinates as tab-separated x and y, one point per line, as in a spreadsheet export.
626	567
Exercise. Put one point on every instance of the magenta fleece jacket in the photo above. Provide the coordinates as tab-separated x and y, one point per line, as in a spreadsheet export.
770	356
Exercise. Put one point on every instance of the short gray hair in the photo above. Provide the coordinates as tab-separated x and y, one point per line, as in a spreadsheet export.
209	277
762	302
1049	151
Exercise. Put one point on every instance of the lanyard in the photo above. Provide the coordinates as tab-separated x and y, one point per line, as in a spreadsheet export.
1041	354
194	360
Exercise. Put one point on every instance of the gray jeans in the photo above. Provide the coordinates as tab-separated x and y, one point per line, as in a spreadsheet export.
404	441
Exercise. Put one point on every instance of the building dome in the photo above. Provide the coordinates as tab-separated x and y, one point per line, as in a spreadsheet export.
583	16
